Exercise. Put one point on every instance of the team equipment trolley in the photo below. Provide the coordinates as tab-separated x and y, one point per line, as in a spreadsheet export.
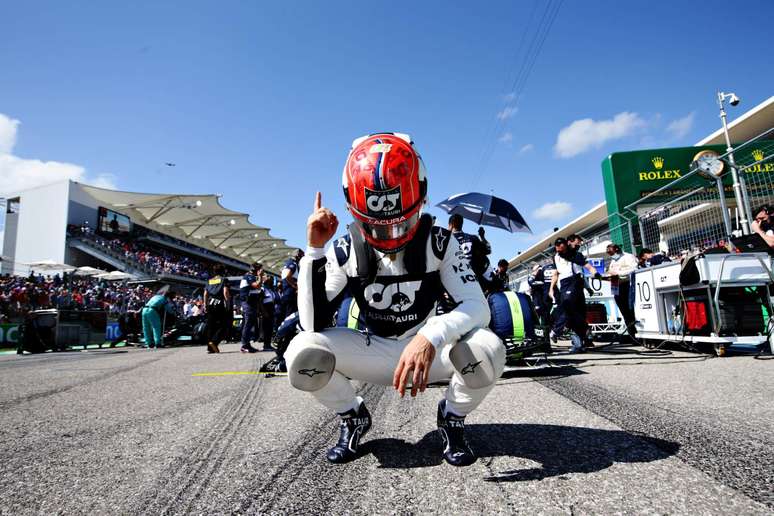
603	316
720	300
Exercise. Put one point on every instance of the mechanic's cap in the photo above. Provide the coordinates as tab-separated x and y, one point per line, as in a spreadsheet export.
560	241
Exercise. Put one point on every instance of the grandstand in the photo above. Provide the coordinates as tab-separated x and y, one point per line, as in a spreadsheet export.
175	238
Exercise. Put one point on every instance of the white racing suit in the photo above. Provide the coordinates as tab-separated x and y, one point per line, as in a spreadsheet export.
397	299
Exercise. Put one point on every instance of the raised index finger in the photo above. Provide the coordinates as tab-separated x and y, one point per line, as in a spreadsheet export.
318	201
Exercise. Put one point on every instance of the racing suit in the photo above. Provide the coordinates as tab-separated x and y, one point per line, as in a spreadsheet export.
395	304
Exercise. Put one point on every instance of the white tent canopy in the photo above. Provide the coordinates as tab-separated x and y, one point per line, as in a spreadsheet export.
200	220
87	270
115	276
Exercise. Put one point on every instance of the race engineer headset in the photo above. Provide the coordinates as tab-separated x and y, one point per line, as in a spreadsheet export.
396	265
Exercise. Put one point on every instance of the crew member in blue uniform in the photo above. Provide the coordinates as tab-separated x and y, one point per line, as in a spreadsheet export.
571	311
538	292
496	280
267	312
289	296
549	269
475	248
251	293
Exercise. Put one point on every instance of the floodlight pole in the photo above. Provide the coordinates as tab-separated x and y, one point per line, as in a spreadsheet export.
724	207
740	188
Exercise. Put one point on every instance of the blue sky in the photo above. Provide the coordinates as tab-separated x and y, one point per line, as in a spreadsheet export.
259	101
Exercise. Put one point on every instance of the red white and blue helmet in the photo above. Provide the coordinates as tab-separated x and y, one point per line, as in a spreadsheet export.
385	187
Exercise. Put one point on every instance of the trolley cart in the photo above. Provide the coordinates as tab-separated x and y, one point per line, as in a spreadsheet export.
666	310
601	293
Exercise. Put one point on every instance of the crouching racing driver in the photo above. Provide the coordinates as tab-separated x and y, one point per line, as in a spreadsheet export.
395	264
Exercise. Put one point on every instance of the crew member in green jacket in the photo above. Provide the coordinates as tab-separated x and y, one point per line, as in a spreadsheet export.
152	314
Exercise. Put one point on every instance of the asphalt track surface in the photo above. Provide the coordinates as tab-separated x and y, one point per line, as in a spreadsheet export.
132	431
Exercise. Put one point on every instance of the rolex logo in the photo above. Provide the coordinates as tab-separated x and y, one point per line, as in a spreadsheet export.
658	162
757	154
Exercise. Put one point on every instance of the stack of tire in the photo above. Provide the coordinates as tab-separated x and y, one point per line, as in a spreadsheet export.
515	321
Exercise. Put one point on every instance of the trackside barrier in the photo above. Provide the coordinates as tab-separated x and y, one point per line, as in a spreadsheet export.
9	334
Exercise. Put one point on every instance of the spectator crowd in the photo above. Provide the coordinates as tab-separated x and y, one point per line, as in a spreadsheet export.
158	260
19	295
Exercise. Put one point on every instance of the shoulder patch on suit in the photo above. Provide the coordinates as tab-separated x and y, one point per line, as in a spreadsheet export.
342	247
439	241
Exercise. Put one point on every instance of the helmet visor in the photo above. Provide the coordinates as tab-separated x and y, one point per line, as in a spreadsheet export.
385	232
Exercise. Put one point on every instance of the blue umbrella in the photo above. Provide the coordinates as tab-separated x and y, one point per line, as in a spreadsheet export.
486	210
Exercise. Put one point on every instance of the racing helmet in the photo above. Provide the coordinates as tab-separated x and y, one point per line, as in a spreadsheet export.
385	187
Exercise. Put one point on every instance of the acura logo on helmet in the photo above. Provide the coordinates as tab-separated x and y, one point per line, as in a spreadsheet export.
383	204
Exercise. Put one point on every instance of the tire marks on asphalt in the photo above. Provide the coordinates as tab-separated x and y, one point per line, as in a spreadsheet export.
109	373
710	444
192	474
52	358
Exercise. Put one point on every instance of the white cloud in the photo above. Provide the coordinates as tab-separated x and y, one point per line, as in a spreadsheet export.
509	97
553	211
526	148
8	128
680	128
586	134
506	138
507	112
20	173
103	181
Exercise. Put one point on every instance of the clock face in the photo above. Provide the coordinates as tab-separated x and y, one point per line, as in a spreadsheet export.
709	162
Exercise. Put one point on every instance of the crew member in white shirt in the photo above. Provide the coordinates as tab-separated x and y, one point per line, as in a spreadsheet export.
622	264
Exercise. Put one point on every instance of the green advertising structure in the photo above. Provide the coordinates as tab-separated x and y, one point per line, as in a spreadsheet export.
629	176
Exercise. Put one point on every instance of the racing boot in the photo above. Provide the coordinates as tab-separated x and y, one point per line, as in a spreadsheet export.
354	425
451	428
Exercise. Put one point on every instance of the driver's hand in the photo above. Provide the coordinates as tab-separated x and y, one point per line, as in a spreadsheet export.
321	224
417	357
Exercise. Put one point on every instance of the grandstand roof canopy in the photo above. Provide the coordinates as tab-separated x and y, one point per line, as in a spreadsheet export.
200	220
